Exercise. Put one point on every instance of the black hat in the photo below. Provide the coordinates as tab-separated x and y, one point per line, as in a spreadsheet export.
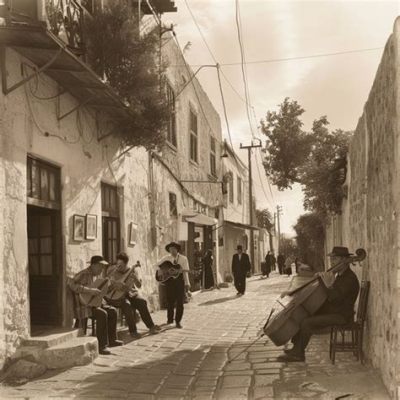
173	244
340	252
98	260
239	247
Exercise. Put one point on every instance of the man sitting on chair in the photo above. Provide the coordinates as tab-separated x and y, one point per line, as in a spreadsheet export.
338	309
132	300
105	316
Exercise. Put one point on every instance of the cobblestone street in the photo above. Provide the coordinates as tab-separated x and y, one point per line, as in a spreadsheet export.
192	363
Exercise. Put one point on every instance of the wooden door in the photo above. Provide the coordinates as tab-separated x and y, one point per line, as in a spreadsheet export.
111	239
45	269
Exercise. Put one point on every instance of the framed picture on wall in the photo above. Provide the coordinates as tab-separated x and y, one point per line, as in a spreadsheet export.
91	226
132	234
78	228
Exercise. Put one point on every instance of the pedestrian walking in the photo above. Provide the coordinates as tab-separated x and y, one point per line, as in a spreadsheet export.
240	268
281	263
267	264
288	266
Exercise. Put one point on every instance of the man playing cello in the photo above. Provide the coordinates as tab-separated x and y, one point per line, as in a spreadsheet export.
338	309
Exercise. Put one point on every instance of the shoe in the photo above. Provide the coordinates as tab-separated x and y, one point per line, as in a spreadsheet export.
153	330
179	326
291	358
170	322
105	351
288	351
135	335
116	343
157	328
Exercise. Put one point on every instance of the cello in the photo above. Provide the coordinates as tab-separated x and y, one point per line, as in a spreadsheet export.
304	301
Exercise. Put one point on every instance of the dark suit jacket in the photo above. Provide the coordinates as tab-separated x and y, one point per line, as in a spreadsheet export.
241	267
342	295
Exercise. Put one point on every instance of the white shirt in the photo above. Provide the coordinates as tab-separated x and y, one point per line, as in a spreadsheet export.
181	260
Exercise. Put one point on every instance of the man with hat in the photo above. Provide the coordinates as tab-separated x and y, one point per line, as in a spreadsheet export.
176	286
342	290
240	267
105	315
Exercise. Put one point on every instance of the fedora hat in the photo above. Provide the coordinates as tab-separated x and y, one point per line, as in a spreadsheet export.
339	251
173	244
98	260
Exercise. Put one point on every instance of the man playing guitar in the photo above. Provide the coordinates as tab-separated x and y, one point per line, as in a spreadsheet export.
176	286
105	316
127	280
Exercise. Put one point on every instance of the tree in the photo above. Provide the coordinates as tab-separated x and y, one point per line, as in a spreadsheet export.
310	240
128	62
315	159
264	219
288	247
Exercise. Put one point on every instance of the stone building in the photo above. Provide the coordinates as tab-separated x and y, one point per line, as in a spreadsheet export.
67	189
371	212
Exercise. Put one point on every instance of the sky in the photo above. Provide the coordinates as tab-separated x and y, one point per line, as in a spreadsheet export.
335	86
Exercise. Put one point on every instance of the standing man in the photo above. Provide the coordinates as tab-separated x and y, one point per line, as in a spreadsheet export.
240	267
338	309
176	287
281	263
129	280
105	316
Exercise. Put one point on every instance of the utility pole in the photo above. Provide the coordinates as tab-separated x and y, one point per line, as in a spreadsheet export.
251	222
278	214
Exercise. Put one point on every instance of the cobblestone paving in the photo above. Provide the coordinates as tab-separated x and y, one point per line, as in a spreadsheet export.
193	363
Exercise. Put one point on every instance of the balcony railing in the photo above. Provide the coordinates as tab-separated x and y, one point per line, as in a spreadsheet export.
62	17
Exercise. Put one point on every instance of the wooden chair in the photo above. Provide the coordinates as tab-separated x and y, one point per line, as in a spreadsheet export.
355	329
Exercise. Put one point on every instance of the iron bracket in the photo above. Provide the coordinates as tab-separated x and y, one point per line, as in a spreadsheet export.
73	109
3	67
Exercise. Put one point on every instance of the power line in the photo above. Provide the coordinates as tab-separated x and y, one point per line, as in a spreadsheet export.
276	60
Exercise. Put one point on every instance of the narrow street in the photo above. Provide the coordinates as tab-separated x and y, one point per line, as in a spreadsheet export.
192	363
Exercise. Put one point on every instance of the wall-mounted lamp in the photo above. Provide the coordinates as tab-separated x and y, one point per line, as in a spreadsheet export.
225	153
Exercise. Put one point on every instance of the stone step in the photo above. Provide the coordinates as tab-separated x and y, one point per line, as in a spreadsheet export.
50	339
74	351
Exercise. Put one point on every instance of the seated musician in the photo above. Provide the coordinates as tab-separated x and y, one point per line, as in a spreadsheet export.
105	316
338	309
176	287
132	300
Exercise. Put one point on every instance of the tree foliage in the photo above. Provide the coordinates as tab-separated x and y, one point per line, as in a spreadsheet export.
315	159
310	240
288	247
129	64
264	219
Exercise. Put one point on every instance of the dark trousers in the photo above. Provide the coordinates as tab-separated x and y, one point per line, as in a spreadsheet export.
175	297
311	325
139	303
280	268
239	279
128	305
106	325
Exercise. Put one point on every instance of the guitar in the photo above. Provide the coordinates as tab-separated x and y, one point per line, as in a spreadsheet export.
95	300
129	280
167	270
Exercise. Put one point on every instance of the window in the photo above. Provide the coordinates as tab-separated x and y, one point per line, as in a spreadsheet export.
239	189
231	194
173	209
171	132
193	137
43	183
213	162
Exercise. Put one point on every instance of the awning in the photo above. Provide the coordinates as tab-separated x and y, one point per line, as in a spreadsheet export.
201	219
238	225
53	57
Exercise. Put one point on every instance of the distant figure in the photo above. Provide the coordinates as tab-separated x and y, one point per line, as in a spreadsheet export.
240	267
297	264
268	264
273	261
288	266
281	263
208	261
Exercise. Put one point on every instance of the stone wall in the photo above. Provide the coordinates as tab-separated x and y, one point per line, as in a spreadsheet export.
371	212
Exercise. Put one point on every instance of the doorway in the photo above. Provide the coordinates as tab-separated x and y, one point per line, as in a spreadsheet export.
44	244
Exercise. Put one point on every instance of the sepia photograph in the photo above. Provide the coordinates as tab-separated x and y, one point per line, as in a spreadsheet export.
200	199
